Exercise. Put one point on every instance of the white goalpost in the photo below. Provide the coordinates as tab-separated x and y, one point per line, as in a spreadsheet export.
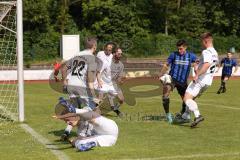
11	60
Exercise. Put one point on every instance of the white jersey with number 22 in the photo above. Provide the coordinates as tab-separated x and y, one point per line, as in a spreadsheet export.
209	55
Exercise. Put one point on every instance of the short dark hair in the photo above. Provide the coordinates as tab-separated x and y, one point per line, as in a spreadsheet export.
181	42
206	35
89	42
116	49
109	43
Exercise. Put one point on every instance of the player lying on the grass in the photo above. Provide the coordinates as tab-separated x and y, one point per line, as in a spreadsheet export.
104	131
227	63
65	106
109	75
202	79
78	75
180	63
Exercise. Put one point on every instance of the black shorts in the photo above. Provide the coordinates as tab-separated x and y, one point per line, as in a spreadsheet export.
181	87
225	75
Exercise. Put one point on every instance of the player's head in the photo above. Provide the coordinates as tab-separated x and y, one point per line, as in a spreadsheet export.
108	48
229	55
117	53
182	46
90	43
207	39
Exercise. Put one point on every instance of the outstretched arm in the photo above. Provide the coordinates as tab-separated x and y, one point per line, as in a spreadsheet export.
201	71
163	70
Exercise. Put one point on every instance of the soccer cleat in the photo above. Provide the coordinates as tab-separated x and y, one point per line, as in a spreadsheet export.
178	115
179	120
119	114
220	90
116	110
87	146
196	121
169	118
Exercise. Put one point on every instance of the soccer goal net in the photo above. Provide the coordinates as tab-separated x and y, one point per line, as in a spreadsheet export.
10	83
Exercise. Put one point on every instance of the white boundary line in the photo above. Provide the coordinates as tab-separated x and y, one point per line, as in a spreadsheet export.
206	155
213	105
53	148
219	106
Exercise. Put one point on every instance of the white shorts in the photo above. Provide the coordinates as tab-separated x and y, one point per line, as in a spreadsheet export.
109	88
83	95
196	89
106	133
100	140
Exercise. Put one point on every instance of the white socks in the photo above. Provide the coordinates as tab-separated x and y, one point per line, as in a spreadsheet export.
186	114
69	128
192	105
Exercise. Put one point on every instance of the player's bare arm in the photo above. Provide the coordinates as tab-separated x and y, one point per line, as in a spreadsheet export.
163	70
202	70
64	73
91	76
195	67
99	80
236	69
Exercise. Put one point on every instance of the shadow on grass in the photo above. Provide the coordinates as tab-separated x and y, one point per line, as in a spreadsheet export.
154	118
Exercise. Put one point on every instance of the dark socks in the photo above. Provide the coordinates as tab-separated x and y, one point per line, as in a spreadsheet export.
183	108
166	102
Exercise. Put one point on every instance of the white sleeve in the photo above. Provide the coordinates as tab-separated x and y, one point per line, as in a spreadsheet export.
207	56
100	54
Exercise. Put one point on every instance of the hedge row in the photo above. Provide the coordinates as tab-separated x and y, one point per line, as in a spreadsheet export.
46	46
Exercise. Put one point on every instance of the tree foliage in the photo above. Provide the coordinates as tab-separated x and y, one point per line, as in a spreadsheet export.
145	23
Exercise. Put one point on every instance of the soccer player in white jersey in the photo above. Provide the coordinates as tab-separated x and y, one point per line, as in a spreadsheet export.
117	74
103	74
104	77
202	79
79	74
105	130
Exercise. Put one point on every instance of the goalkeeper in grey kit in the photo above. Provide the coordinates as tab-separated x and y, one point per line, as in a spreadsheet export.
180	63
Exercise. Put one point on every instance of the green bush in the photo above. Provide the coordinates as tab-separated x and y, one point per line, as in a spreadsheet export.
223	44
41	46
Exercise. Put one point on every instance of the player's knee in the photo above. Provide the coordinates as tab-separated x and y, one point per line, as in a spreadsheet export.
167	89
187	96
191	104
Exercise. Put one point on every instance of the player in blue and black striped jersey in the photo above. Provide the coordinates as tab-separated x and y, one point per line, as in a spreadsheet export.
180	63
227	63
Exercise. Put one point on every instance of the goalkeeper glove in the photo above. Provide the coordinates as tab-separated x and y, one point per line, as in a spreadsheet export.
65	135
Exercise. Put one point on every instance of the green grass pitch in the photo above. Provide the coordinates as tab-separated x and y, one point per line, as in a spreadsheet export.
216	138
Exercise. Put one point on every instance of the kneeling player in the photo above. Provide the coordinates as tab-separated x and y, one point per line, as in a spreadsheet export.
105	130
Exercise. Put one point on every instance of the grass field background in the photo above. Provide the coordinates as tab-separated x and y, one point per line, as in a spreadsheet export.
218	137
